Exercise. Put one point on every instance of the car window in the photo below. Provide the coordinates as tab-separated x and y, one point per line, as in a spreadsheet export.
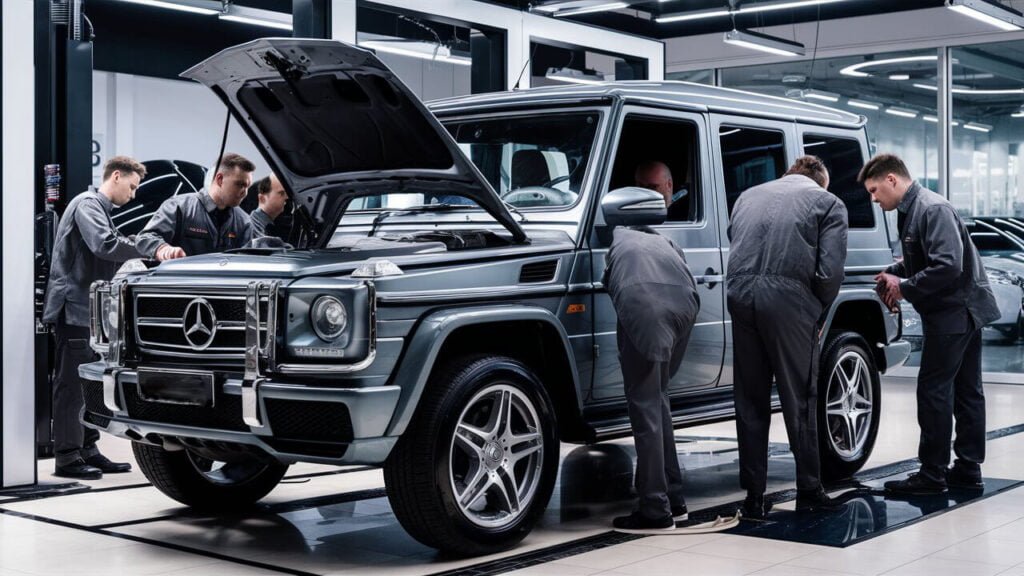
844	159
750	156
530	161
674	143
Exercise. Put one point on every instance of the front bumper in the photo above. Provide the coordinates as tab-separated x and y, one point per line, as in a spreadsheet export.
301	421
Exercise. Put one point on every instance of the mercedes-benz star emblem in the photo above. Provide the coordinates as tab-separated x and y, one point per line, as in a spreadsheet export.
199	324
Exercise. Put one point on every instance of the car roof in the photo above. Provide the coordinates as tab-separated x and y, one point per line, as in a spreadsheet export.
670	93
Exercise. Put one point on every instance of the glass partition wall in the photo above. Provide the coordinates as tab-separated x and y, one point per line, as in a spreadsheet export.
898	95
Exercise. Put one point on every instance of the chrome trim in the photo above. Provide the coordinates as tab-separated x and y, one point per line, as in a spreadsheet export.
710	279
253	351
97	341
116	349
490	291
251	403
157	348
110	390
293	368
158	322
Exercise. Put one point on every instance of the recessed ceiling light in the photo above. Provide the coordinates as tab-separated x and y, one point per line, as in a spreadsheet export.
902	112
864	104
978	127
821	95
592	9
899	77
417	49
929	118
256	17
688	16
205	7
857	69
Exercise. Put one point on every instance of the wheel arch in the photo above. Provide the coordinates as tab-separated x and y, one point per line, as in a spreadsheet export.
529	334
863	313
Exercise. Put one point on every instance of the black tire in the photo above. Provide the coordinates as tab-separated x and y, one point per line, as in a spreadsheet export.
178	475
841	459
419	472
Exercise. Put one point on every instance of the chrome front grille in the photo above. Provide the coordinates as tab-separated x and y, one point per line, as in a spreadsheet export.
193	325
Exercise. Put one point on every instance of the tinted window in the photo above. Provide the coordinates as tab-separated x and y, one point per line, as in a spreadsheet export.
843	158
750	156
671	142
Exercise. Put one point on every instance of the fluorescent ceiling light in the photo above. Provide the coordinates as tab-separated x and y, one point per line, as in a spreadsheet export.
993	14
864	104
929	118
899	77
209	8
591	9
976	91
1019	113
574	76
856	69
256	17
978	127
417	49
782	5
687	16
821	95
902	112
764	43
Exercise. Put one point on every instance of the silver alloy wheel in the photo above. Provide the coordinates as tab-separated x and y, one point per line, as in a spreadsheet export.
496	456
849	406
226	473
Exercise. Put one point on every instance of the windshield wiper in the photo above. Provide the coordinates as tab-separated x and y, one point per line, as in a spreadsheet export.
412	210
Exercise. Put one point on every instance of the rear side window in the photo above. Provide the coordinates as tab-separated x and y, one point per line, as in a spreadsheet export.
750	156
843	158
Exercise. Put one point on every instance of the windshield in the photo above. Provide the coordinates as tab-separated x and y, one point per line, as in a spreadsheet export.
536	161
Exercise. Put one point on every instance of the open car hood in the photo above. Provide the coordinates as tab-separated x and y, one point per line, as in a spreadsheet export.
335	123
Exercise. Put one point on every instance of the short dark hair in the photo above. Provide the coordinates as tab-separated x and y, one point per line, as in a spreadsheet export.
881	165
812	167
263	186
124	165
231	161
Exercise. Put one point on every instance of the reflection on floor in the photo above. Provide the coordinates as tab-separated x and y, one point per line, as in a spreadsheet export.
336	521
867	513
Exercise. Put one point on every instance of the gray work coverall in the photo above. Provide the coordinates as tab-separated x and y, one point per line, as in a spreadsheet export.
193	223
88	248
656	302
947	285
785	269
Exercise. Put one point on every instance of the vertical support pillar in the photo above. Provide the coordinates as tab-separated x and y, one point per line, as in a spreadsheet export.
945	114
343	20
18	192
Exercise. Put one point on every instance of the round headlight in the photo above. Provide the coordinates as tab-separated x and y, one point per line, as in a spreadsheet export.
329	318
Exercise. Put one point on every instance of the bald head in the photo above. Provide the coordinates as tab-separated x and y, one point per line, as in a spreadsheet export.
656	176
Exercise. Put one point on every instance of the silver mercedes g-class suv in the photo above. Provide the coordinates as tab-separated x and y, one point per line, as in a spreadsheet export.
442	313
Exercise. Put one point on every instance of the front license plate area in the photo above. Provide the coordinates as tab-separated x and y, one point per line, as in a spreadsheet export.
188	388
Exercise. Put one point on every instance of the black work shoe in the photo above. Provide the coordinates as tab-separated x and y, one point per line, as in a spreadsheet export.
78	469
680	513
637	523
915	485
755	507
959	477
816	501
106	466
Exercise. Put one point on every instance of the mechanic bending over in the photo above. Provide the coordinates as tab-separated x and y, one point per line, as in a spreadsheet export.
785	268
88	248
205	221
272	199
943	277
655	299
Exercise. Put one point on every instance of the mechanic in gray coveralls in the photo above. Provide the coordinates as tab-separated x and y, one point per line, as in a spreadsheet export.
655	299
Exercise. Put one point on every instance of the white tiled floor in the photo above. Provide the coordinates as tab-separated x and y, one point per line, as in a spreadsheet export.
58	535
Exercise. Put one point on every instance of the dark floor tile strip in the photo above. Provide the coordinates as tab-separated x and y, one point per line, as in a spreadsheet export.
168	545
544	555
1003	432
138	521
330	473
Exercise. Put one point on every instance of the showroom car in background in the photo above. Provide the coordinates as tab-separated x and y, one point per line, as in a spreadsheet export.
446	319
1003	255
164	178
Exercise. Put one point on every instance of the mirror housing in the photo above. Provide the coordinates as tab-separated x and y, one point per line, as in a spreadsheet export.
633	206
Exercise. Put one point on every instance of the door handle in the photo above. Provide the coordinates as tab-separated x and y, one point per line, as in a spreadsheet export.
710	278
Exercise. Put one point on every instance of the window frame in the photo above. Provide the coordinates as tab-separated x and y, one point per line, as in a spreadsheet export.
849	136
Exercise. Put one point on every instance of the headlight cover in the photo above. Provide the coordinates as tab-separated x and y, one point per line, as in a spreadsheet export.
329	318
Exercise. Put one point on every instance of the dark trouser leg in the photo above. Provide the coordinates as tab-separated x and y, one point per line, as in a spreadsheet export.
71	439
647	405
752	391
941	359
673	473
969	407
794	355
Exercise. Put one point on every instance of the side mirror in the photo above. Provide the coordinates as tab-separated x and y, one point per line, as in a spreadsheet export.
633	206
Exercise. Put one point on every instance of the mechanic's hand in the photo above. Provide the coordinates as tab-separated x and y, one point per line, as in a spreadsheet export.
888	288
168	252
